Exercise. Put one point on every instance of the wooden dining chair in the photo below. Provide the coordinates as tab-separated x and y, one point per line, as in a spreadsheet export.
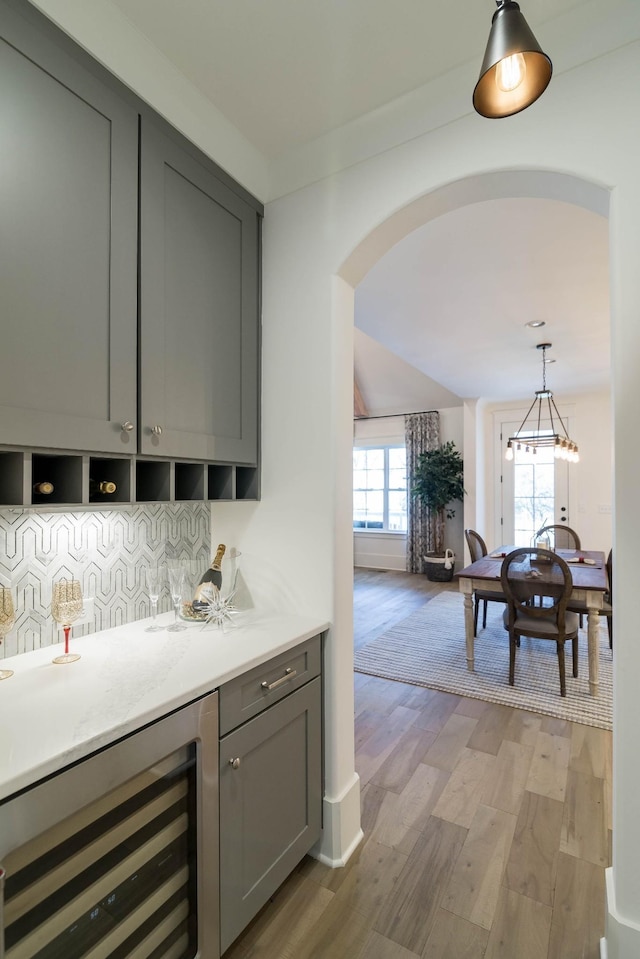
560	536
580	607
528	572
478	549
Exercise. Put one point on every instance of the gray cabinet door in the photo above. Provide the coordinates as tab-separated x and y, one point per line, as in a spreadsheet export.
199	246
270	805
68	233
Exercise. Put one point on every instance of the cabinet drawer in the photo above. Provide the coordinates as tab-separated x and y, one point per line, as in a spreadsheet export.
247	695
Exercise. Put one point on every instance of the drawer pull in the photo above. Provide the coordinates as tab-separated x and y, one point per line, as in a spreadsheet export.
289	673
235	763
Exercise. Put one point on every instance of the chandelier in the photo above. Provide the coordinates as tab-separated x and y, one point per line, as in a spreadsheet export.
531	438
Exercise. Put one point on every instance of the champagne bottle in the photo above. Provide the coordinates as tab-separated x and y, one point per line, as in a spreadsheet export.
102	487
211	577
43	489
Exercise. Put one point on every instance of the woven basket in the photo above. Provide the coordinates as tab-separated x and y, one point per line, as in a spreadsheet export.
435	569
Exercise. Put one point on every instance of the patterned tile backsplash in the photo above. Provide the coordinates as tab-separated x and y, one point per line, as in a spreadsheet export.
105	550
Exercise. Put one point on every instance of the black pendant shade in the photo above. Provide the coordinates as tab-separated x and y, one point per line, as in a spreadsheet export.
515	71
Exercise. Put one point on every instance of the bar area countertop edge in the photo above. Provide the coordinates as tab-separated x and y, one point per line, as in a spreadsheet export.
52	715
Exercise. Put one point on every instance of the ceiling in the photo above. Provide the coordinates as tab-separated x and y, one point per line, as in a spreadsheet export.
451	299
454	297
285	72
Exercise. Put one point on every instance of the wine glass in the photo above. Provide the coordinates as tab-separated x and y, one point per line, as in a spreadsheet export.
153	581
176	587
66	607
7	621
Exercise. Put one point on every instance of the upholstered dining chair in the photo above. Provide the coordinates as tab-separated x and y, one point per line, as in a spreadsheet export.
528	572
560	536
478	549
580	607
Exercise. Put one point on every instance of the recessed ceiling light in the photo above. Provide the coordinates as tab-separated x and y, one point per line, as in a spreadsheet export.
535	324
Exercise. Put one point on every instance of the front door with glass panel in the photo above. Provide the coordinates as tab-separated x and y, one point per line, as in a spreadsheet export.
535	491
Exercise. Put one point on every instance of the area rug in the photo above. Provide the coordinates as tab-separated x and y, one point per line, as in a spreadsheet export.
428	649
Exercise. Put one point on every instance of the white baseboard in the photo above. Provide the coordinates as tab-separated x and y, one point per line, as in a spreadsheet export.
341	832
622	935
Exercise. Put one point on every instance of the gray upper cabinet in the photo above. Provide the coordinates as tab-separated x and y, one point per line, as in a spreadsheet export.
129	270
68	239
199	310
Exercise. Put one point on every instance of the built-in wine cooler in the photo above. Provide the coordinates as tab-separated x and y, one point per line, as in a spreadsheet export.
117	856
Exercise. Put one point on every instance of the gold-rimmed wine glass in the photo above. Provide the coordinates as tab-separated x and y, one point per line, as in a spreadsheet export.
66	607
7	621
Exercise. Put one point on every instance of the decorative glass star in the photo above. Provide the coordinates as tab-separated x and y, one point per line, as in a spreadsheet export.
218	610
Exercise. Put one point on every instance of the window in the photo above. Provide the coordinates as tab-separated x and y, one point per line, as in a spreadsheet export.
380	488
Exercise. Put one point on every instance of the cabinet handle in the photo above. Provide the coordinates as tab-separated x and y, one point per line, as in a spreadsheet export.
235	763
289	673
156	430
127	427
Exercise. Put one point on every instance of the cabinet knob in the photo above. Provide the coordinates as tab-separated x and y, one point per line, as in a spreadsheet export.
235	763
127	427
156	430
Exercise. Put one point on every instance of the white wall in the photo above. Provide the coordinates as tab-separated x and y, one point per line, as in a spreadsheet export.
324	230
590	421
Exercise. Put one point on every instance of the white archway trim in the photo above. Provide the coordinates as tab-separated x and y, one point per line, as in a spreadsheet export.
499	184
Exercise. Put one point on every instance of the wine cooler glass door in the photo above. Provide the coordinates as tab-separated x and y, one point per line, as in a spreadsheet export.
122	876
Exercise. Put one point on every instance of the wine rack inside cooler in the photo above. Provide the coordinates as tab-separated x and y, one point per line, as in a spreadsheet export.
117	879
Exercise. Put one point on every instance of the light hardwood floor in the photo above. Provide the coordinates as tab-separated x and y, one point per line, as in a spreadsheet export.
487	829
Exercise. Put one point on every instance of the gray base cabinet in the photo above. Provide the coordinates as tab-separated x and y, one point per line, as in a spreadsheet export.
270	782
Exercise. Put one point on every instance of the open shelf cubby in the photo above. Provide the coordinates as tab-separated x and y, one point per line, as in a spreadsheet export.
247	485
109	470
153	481
12	478
220	482
63	472
189	481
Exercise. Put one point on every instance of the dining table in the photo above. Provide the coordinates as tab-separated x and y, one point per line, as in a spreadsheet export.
589	575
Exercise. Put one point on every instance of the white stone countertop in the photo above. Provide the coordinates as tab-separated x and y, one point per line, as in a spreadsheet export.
52	715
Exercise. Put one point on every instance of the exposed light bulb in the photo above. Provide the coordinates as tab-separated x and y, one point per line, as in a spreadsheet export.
510	72
509	453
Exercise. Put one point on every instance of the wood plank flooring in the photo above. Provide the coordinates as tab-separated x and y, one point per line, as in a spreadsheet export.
487	829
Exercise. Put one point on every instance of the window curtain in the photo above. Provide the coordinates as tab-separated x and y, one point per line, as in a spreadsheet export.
422	433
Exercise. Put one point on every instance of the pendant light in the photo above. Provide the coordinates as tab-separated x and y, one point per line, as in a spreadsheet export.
533	435
515	71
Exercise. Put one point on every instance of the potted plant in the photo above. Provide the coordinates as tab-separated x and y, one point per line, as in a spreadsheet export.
438	482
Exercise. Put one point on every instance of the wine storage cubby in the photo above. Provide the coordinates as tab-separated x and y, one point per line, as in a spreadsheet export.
56	479
189	481
52	479
106	473
247	482
220	482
